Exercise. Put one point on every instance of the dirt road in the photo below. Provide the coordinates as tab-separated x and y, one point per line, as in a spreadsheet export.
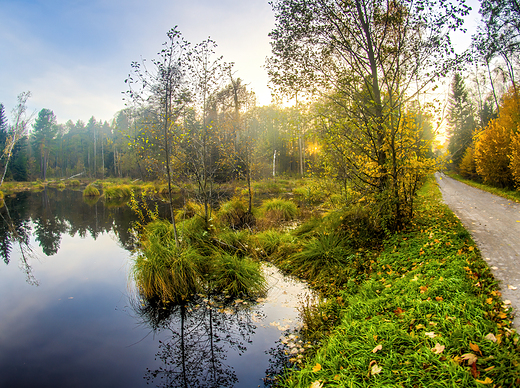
494	223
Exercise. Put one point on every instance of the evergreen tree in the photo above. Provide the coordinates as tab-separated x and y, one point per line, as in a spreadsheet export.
461	120
44	132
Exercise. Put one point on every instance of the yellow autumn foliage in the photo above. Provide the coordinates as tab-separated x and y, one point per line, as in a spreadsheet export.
494	156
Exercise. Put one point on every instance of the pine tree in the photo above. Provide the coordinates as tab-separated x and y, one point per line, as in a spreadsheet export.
461	120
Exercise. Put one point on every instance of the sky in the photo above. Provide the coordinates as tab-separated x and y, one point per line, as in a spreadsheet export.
74	55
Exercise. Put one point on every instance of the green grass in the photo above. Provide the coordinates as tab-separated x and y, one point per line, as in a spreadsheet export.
278	209
234	214
164	270
236	276
513	195
117	192
427	304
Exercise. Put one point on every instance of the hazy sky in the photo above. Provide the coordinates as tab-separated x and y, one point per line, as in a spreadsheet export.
74	55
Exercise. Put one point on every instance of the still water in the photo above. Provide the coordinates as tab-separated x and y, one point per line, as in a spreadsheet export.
69	316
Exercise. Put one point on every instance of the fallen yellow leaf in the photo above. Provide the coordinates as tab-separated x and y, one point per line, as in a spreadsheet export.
316	368
489	300
316	384
475	348
487	380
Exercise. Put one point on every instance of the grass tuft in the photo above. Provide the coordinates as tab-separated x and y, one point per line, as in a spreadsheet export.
236	276
91	191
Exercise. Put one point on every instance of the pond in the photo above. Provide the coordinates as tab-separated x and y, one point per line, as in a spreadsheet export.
70	317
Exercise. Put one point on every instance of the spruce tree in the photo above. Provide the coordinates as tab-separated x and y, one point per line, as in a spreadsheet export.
461	120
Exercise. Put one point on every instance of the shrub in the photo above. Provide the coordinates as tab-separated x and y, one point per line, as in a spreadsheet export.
467	166
91	191
74	182
235	275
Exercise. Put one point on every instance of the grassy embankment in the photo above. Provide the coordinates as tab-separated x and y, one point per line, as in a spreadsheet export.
423	312
513	195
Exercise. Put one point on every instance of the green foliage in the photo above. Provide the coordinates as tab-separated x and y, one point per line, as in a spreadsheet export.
429	304
269	242
461	120
91	191
236	275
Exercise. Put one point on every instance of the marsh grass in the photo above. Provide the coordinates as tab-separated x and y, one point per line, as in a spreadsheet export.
190	209
234	214
270	242
117	192
164	270
235	275
276	210
428	302
235	241
91	191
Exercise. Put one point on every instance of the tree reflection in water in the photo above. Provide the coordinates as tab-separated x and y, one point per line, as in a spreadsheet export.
202	332
16	233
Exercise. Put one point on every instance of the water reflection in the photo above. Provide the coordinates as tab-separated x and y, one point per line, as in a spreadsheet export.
51	213
12	233
201	333
76	328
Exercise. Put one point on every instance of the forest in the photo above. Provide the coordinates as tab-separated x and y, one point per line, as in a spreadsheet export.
405	296
364	112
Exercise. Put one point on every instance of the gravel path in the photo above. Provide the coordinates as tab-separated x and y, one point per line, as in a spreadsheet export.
494	223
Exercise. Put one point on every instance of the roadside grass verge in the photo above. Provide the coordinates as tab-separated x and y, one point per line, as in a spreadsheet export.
429	314
513	195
